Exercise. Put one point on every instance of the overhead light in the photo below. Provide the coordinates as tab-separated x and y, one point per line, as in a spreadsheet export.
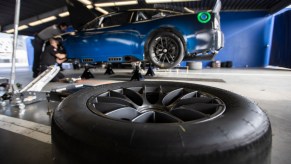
86	2
104	4
89	6
109	4
44	20
189	10
22	27
125	3
19	29
101	10
10	31
168	1
64	14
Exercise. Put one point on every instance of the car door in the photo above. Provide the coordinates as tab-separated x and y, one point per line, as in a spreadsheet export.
117	38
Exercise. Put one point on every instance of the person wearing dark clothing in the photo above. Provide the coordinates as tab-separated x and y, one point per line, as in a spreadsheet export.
53	54
39	41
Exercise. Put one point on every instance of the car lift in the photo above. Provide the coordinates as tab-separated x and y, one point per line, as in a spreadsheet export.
32	92
9	93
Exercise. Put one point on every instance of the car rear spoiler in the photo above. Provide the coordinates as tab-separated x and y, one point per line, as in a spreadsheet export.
217	7
79	14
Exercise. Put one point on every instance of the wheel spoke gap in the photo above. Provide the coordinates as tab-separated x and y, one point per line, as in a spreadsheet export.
134	96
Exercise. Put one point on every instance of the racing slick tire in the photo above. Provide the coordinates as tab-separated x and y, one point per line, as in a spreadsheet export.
159	123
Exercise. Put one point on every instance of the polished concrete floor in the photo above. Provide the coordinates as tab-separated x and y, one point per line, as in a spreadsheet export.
269	88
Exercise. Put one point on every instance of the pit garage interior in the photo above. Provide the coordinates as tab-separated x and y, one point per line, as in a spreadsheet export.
255	63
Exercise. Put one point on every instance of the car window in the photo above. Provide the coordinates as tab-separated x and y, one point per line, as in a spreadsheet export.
115	19
93	24
151	14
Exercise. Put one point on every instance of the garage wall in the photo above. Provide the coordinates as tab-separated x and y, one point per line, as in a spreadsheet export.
247	38
281	52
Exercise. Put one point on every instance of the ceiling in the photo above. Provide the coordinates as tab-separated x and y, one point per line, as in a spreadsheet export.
35	9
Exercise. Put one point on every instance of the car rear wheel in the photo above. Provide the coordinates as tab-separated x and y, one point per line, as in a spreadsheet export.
166	50
159	122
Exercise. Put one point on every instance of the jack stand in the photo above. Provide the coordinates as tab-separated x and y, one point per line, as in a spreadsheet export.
109	70
87	74
150	71
137	75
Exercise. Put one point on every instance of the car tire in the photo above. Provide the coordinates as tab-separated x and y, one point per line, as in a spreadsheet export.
98	125
165	50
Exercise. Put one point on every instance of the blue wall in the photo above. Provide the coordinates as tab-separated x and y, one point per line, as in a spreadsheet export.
29	48
281	40
247	36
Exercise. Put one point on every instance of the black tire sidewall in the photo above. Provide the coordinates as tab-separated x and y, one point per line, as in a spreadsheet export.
242	124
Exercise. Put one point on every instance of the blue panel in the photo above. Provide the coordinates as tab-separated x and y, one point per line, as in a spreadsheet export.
281	51
244	38
247	39
29	49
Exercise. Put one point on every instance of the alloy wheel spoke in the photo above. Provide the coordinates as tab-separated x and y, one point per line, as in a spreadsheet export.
144	117
107	107
125	113
114	100
172	96
157	104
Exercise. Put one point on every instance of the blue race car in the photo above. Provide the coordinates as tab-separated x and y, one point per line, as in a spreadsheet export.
162	37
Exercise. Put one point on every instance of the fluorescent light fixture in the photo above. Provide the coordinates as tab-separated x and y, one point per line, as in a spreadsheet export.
89	6
86	2
44	20
189	10
10	31
64	14
125	3
101	10
104	4
19	29
22	27
168	1
109	4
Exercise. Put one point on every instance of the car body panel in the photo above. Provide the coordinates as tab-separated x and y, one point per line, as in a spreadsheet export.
128	41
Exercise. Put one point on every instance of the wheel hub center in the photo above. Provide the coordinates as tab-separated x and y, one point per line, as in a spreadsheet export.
165	50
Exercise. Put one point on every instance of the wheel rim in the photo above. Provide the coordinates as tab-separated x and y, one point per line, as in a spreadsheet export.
165	50
156	104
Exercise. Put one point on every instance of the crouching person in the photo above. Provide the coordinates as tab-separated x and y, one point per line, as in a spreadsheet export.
53	54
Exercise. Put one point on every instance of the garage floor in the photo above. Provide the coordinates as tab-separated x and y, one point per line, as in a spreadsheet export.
27	138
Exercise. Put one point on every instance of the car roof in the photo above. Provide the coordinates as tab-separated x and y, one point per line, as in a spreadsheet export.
142	9
134	10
